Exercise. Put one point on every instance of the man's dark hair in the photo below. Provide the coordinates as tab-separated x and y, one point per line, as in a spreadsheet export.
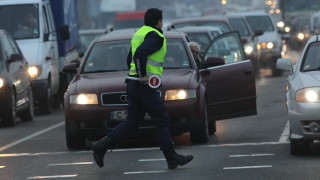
152	16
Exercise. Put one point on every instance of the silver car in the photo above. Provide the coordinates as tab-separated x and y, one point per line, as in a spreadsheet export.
303	97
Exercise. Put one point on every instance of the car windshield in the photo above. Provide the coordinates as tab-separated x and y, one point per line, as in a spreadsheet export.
222	25
202	38
133	23
21	21
312	59
260	23
112	56
239	24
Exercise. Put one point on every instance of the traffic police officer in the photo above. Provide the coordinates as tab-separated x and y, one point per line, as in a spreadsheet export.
148	48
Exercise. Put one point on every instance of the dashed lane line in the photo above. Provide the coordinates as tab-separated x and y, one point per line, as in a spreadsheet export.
285	134
30	136
145	172
247	167
250	155
55	176
67	164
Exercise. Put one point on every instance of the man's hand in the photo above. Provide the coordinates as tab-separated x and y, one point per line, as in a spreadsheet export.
144	80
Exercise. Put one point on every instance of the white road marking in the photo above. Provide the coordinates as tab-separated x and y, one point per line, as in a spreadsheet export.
66	164
55	176
30	136
147	160
145	172
140	149
2	167
250	155
285	134
247	167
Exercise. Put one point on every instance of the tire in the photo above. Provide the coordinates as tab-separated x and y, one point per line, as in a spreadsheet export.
10	115
28	114
212	127
200	130
299	147
74	141
46	103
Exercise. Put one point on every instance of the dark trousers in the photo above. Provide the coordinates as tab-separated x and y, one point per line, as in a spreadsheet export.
142	99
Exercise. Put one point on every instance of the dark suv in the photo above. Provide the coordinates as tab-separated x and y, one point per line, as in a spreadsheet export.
15	84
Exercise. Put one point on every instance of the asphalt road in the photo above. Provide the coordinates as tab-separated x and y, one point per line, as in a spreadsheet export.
254	147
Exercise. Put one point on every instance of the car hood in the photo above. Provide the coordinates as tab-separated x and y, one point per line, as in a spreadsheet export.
268	36
310	79
115	81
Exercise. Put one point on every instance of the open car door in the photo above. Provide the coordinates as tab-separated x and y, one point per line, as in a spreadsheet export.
230	87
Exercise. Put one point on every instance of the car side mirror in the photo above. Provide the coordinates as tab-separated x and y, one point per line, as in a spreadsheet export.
64	32
214	61
258	32
81	54
71	68
317	32
285	64
15	57
244	40
108	30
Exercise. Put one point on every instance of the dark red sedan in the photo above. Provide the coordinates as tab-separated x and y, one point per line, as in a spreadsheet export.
194	98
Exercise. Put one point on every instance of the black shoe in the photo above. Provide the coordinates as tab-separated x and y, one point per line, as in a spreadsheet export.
174	160
100	148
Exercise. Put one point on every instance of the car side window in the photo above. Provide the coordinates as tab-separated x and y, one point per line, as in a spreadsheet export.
7	47
228	47
46	25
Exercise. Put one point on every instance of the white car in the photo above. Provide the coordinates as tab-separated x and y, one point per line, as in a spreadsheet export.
303	97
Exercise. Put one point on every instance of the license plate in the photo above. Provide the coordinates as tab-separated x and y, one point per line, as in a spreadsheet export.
122	115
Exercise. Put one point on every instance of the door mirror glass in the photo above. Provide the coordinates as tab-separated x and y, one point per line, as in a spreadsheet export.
71	68
284	64
214	61
15	57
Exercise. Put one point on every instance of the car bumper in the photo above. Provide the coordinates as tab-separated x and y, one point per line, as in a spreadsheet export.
301	117
94	121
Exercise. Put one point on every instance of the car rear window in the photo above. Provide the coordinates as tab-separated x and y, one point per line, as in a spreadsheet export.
260	23
112	56
222	25
239	25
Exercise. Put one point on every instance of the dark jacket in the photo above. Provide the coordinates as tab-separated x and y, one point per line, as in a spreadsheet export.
151	44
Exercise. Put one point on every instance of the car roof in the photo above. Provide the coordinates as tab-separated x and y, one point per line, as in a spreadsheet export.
250	13
91	31
126	34
197	29
219	18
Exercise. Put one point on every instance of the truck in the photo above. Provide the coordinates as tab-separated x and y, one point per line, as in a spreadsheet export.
47	34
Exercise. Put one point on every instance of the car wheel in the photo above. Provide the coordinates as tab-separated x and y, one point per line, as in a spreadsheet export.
200	130
74	141
28	114
46	102
212	127
299	147
10	115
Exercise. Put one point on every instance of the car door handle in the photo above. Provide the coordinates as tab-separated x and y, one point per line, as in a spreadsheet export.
247	72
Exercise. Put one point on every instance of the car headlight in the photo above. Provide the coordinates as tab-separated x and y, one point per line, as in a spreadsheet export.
308	95
34	71
268	45
287	29
280	24
300	36
84	99
1	82
180	94
248	49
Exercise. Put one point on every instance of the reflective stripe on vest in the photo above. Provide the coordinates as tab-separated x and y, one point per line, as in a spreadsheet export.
155	61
